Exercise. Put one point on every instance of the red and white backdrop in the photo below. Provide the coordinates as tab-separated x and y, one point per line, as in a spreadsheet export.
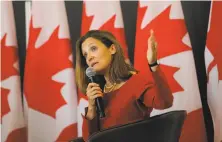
213	61
49	83
12	116
101	15
52	106
176	59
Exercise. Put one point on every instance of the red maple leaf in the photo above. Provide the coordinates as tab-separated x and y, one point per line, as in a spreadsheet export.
169	71
68	133
8	58
4	102
44	94
81	96
169	34
86	21
18	135
193	129
108	26
214	42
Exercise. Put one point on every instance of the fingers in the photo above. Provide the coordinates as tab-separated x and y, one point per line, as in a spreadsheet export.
95	96
156	45
93	91
151	33
90	85
95	88
152	39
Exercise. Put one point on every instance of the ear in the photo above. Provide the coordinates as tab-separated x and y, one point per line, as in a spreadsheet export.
112	49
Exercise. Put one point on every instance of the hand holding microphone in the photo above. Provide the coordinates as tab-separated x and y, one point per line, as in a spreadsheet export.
94	93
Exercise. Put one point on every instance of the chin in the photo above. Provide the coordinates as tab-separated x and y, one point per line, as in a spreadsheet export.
98	70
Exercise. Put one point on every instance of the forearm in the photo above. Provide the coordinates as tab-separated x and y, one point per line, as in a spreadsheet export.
163	97
91	112
90	122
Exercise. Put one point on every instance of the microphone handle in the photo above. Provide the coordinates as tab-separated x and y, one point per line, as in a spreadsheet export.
99	103
100	107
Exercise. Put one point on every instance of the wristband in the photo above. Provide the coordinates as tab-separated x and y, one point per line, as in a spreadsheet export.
153	64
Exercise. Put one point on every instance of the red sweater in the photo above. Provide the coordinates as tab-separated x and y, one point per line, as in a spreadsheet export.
123	106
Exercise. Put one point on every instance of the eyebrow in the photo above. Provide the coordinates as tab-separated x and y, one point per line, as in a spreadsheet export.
89	45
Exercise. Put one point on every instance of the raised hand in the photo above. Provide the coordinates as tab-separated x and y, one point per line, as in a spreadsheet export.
152	48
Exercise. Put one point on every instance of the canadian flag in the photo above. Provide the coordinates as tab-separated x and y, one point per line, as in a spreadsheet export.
101	15
176	60
49	83
12	116
213	61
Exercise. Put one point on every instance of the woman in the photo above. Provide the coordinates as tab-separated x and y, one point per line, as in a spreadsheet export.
128	95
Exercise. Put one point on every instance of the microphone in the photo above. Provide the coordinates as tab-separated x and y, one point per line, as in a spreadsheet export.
99	102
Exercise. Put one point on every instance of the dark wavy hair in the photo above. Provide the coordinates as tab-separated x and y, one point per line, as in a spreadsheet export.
119	69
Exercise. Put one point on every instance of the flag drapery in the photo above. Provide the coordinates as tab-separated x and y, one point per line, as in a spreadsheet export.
49	83
104	15
213	61
176	60
52	109
12	116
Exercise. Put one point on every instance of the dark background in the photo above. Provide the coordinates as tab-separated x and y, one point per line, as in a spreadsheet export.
196	15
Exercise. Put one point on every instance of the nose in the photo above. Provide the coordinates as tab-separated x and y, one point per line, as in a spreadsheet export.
89	58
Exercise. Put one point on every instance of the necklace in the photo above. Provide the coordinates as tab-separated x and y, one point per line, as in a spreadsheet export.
110	88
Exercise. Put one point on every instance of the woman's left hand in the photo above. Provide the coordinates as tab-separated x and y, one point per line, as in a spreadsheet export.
152	48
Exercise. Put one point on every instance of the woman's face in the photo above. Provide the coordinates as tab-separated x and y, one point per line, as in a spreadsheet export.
97	55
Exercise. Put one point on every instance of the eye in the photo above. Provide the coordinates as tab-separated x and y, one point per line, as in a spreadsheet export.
93	48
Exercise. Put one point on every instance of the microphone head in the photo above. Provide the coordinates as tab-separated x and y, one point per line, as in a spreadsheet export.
90	72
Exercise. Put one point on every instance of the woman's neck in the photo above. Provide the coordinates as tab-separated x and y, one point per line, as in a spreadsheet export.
109	86
107	78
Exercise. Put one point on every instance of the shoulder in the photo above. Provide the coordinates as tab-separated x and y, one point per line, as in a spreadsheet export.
138	83
139	78
143	79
